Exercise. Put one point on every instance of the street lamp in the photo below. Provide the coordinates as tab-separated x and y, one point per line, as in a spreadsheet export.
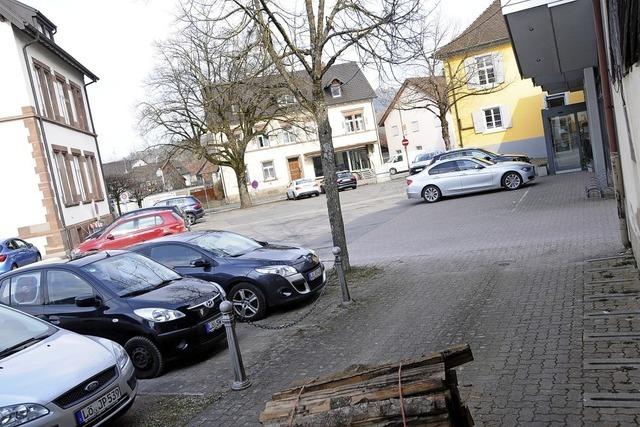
405	143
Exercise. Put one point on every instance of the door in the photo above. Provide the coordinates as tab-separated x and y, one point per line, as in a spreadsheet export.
120	236
187	262
566	143
147	228
60	309
474	176
30	252
294	168
446	176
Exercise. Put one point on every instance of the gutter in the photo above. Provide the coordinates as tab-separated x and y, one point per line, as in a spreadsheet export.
45	143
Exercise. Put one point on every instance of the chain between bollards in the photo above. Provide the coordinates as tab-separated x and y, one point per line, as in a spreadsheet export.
240	381
346	298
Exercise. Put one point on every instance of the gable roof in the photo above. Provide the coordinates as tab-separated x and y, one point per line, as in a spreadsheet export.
423	84
24	18
354	84
489	28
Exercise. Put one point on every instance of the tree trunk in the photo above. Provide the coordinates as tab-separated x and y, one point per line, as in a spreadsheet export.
444	125
118	206
241	179
327	156
139	202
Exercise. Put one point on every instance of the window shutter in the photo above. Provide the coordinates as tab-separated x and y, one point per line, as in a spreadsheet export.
505	114
472	74
478	121
498	68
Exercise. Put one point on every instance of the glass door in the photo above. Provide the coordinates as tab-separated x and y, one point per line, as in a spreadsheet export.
566	142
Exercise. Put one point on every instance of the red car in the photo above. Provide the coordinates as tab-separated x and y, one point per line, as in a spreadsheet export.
133	229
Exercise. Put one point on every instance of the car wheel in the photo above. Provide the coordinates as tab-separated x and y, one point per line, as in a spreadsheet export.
322	189
431	194
393	171
512	181
190	219
248	302
316	194
145	356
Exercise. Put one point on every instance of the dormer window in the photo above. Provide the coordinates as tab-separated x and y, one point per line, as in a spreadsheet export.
285	100
44	29
336	89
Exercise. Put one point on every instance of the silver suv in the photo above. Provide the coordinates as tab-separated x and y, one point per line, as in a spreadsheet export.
49	376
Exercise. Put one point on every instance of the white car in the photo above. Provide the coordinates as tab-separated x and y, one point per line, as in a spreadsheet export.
397	163
305	187
52	377
467	175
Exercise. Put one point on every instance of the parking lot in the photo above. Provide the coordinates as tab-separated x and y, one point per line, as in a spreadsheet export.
503	271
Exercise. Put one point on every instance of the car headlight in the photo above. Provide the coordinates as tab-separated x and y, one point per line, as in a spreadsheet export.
282	270
157	315
16	415
122	358
526	168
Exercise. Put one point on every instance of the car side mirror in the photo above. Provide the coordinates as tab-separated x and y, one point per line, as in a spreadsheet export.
479	167
200	263
87	301
487	158
110	237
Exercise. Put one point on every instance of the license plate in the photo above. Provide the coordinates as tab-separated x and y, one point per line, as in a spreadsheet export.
315	274
98	406
212	325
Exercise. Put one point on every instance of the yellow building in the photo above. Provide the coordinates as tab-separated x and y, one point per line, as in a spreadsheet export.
494	108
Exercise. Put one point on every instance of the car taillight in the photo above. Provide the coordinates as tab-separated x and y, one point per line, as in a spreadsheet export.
409	181
3	258
198	206
298	188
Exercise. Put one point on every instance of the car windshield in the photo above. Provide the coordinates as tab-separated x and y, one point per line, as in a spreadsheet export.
17	331
485	161
303	181
130	274
224	243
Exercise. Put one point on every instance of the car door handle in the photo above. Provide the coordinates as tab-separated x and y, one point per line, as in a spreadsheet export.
55	320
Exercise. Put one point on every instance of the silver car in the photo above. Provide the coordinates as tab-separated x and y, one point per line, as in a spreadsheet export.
467	175
52	377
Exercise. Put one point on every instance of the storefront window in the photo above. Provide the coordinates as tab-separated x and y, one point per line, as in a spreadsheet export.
351	160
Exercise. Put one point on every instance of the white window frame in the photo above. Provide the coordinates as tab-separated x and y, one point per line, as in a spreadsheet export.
268	170
483	70
263	141
77	177
354	122
285	100
494	119
288	136
336	90
419	147
564	95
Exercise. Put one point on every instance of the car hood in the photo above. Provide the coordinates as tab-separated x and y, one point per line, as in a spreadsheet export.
42	372
178	294
280	254
511	164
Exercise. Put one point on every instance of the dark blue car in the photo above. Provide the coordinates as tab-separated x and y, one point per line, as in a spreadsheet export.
16	253
255	275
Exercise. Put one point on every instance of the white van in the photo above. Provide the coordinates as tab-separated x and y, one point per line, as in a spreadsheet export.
396	163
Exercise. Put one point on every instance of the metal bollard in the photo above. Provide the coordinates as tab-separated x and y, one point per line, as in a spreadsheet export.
240	381
346	298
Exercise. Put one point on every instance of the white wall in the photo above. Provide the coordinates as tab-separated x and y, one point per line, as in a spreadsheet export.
14	87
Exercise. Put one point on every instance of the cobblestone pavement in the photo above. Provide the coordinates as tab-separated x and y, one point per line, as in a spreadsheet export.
507	272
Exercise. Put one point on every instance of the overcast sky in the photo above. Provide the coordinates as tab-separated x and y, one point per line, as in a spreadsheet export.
115	39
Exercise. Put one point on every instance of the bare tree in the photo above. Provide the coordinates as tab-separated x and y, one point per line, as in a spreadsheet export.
211	96
143	182
305	40
117	185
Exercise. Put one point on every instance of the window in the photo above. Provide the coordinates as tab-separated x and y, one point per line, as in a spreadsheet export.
124	228
25	289
77	177
62	100
485	70
4	292
268	171
336	90
148	221
557	100
63	287
467	165
479	154
399	158
288	136
492	118
285	100
78	106
395	131
414	126
418	147
93	175
174	255
398	151
444	168
65	175
45	90
263	141
353	122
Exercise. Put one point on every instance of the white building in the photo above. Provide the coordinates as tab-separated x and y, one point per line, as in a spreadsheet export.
289	153
53	191
405	117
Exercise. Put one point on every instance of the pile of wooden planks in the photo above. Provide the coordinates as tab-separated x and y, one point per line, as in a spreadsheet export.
371	396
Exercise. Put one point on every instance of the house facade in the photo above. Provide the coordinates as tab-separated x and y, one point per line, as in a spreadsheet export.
407	118
53	191
496	108
285	153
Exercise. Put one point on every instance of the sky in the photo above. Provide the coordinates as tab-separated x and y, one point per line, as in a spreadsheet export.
115	39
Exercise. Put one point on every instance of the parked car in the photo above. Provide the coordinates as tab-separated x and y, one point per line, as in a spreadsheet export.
190	206
52	377
149	309
467	175
16	253
345	179
396	163
481	153
255	275
305	187
131	229
421	160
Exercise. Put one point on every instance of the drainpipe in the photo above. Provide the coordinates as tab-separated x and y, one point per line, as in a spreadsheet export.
603	72
45	144
99	159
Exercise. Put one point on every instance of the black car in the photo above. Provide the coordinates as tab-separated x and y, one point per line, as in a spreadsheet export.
255	275
153	312
480	153
345	179
191	207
